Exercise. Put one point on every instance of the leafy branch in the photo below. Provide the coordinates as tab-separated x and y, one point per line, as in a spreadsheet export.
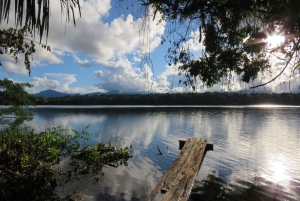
30	162
14	42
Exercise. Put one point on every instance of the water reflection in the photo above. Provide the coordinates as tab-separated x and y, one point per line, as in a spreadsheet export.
278	170
256	150
215	188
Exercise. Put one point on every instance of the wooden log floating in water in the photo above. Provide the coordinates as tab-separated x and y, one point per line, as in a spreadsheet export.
178	180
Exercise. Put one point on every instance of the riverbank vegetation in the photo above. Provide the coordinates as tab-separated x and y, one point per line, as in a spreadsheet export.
40	165
37	166
207	98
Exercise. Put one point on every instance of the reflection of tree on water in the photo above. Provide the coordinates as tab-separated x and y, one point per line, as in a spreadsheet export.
13	122
259	189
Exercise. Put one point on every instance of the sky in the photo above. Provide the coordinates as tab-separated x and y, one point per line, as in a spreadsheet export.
112	49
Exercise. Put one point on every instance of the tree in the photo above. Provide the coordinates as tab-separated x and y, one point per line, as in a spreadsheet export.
30	167
15	41
15	96
235	35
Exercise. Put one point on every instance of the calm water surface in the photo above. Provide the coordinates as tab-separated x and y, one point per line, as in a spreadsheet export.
256	149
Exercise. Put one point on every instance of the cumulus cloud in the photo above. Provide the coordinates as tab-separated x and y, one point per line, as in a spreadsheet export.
102	42
98	39
193	43
120	75
43	57
83	63
59	82
45	83
40	58
171	81
92	36
150	30
87	89
14	68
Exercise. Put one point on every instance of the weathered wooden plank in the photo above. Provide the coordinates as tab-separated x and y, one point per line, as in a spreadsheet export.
177	160
187	183
182	165
180	181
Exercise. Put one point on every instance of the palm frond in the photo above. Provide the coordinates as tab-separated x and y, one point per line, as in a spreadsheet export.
36	13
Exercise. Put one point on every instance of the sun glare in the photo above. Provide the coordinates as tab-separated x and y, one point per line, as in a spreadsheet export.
274	41
278	171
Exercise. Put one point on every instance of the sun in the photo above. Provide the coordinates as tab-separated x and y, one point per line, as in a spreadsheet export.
275	40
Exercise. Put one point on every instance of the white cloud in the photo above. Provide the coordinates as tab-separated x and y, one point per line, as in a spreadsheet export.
43	57
120	75
58	52
45	83
60	82
137	59
14	68
93	10
105	42
193	43
170	81
83	63
99	41
40	58
87	89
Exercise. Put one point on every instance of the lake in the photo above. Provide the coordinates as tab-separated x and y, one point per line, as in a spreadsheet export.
256	148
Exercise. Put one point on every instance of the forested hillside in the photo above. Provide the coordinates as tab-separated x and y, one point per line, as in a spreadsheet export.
207	98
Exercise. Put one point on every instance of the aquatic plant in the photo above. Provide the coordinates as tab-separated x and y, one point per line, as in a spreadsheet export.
31	167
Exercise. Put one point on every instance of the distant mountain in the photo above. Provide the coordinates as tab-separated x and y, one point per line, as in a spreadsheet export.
124	92
95	93
113	92
52	93
140	92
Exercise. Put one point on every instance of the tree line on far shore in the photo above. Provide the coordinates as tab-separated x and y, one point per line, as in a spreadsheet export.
208	98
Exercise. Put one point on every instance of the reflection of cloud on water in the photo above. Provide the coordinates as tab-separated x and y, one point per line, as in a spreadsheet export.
124	183
260	142
213	187
54	117
243	140
129	129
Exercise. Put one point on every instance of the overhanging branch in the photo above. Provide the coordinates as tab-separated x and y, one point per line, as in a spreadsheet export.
286	65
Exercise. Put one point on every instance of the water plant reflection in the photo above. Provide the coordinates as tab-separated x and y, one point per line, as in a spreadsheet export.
31	167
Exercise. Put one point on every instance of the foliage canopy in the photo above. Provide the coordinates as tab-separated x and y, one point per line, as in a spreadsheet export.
234	34
15	96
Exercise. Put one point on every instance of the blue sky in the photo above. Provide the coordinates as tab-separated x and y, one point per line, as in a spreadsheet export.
106	50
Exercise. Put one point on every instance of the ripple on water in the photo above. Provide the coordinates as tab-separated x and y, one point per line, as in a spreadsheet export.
256	150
